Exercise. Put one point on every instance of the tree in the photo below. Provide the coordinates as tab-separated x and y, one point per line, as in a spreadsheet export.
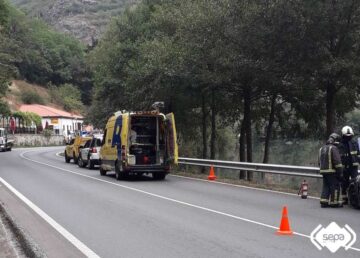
332	41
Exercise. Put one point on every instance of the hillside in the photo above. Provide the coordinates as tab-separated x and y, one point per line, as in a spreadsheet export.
17	89
84	19
21	92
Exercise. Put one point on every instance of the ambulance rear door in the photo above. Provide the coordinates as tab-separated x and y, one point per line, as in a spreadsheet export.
171	139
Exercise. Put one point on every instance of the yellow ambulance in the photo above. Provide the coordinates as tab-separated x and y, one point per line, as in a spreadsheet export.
139	143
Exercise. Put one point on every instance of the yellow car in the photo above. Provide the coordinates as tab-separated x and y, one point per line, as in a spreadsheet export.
73	148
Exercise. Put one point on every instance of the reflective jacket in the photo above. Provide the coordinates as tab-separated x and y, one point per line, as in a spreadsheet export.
329	159
349	152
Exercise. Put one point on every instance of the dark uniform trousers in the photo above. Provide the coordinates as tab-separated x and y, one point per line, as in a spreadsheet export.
350	155
331	190
331	170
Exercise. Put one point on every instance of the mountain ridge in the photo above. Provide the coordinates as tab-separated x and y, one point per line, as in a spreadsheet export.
86	20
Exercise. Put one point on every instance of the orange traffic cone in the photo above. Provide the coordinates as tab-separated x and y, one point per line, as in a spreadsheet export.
212	174
285	224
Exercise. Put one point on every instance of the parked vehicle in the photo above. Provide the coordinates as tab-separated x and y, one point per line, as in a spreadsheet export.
73	147
139	143
89	154
6	141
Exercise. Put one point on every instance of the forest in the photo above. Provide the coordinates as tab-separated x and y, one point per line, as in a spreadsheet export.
263	69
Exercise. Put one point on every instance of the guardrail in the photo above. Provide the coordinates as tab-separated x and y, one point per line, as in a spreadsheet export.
300	171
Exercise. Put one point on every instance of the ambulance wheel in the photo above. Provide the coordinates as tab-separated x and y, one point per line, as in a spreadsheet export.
102	171
159	176
119	175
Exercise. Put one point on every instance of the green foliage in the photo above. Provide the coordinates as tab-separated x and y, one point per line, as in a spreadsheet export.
28	117
51	57
31	97
68	96
30	50
3	13
34	118
4	109
228	60
7	68
47	133
83	19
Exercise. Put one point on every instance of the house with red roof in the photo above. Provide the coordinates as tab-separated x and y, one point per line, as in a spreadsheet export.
60	121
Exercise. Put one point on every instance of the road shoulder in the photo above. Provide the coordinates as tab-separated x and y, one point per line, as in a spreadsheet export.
34	235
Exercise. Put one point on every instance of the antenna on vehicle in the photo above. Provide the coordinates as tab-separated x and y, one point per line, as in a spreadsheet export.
157	105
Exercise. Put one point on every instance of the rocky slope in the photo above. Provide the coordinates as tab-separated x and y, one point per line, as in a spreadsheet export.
84	19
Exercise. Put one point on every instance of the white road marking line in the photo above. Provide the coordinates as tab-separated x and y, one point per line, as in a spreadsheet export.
58	154
35	148
71	238
243	186
229	184
167	198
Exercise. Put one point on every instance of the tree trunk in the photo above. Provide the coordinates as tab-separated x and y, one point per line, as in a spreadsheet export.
242	146
213	125
247	121
330	112
269	129
204	130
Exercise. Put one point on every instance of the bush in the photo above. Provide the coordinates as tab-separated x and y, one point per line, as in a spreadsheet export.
68	96
47	133
28	117
4	108
31	97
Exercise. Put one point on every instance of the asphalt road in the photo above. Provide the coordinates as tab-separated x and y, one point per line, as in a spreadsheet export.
178	217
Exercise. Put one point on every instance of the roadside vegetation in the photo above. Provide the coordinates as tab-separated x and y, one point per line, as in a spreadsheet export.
68	96
270	70
31	97
247	80
31	51
85	20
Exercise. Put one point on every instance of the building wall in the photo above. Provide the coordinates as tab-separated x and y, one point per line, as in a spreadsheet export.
63	126
35	140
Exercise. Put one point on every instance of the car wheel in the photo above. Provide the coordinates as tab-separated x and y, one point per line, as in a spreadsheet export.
119	174
75	159
159	176
81	162
67	159
91	164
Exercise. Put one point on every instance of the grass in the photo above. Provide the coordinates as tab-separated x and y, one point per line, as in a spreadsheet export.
282	185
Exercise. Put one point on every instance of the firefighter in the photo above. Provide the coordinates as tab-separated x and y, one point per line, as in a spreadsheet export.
349	152
331	170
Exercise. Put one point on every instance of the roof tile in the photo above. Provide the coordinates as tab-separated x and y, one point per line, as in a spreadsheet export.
45	111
